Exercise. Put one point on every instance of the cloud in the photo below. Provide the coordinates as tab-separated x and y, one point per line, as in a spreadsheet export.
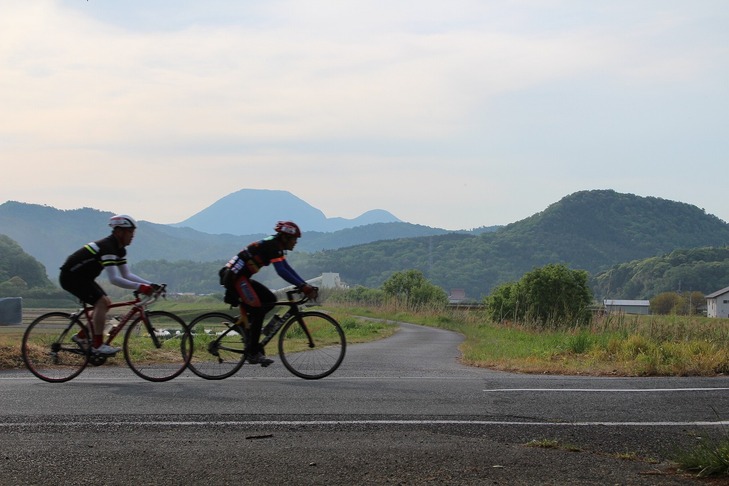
465	99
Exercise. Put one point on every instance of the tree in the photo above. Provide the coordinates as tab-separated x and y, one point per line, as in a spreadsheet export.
664	302
414	289
18	270
503	303
552	295
689	303
693	302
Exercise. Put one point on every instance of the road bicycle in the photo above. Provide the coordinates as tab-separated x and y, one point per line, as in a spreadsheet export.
157	344
311	344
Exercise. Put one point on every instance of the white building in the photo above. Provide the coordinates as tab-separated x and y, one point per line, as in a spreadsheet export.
642	307
717	304
331	281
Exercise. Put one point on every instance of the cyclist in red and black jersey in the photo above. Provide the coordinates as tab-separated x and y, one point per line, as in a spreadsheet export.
79	272
255	299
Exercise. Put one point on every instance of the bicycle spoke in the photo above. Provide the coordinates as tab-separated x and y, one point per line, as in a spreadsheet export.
218	349
159	352
49	351
312	345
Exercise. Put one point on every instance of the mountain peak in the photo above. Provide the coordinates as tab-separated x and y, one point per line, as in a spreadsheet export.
255	211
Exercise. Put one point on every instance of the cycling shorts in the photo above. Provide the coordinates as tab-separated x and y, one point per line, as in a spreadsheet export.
87	291
253	294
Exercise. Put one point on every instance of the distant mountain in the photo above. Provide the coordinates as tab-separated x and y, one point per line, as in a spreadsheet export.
589	230
50	235
251	211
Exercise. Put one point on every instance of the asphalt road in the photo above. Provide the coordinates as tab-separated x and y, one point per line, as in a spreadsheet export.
398	411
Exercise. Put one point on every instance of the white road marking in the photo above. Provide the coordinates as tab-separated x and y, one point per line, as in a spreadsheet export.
601	390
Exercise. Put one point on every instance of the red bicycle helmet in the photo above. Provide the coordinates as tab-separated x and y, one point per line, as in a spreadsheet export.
288	228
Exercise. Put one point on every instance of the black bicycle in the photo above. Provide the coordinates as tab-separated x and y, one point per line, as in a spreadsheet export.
311	344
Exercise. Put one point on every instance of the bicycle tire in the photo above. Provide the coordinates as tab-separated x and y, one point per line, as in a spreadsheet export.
319	358
161	363
48	351
218	350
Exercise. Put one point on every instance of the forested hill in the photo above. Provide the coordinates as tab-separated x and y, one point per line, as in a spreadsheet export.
595	229
704	270
18	270
590	230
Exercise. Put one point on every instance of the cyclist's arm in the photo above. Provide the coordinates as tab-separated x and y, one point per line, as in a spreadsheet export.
287	273
121	276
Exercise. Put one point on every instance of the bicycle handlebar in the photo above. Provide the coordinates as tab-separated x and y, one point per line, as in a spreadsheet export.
145	300
290	296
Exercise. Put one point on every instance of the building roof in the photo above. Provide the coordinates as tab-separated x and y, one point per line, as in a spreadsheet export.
641	303
716	294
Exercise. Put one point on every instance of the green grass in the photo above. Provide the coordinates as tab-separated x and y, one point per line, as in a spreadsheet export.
710	458
627	346
188	310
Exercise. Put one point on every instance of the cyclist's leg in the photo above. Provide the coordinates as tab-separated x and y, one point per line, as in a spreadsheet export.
90	292
101	308
256	301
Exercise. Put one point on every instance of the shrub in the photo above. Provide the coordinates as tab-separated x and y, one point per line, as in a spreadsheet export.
551	296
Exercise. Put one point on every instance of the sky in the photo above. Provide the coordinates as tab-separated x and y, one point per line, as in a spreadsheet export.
453	114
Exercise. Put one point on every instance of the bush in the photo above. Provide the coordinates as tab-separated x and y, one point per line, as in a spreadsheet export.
357	296
551	296
414	290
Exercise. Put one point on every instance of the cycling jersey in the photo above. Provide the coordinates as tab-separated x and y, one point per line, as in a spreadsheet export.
260	254
88	262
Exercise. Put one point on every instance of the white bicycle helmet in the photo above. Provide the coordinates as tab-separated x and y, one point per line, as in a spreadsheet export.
122	221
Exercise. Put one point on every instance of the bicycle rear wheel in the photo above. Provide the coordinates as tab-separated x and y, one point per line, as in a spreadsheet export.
218	349
312	345
159	351
48	351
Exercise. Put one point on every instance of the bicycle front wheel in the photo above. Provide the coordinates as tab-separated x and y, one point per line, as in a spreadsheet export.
311	345
158	347
218	348
48	351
